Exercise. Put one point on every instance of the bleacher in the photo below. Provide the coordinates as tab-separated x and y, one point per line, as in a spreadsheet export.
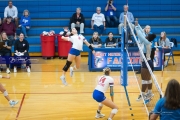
46	15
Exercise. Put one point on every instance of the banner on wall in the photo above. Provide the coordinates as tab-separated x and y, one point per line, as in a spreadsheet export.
113	59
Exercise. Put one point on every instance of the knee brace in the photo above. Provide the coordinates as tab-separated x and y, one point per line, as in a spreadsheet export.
114	111
145	82
5	93
66	67
100	104
150	81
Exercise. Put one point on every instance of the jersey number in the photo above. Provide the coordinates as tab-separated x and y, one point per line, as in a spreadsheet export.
102	80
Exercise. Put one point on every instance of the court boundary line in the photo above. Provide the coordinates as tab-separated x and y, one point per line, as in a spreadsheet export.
19	110
68	93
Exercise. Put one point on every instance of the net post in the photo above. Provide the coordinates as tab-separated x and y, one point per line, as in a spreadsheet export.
124	65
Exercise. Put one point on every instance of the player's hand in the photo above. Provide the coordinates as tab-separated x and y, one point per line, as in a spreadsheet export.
93	52
157	49
92	28
104	27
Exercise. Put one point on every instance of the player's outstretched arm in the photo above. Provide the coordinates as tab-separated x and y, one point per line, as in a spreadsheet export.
89	45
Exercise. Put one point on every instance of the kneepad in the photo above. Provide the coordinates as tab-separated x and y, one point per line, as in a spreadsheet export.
100	104
114	111
5	93
66	67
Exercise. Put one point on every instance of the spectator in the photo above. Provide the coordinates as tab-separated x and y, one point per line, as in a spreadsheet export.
98	21
121	19
77	20
110	40
25	22
9	28
111	18
168	107
21	48
95	41
165	44
6	50
147	30
12	11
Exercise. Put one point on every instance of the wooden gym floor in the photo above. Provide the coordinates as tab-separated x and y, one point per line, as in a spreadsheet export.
42	96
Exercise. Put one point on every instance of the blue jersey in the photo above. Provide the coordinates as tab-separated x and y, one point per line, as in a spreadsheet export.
166	114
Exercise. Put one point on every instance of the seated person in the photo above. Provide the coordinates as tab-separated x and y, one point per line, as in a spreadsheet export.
95	41
77	20
21	48
25	22
9	28
110	40
165	44
168	107
98	21
6	50
11	11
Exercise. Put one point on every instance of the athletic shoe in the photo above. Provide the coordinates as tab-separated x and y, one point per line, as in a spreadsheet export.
71	71
63	79
147	101
15	70
28	69
109	119
8	71
13	103
149	95
99	115
140	97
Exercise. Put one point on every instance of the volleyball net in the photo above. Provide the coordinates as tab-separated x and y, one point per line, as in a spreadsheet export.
156	89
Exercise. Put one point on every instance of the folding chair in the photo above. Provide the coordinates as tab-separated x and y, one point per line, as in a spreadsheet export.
170	54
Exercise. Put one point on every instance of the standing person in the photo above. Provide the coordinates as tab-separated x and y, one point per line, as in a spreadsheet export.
168	107
95	41
21	48
98	21
9	28
12	11
165	44
110	40
145	74
121	19
111	18
74	53
25	22
147	30
77	20
12	103
6	50
104	83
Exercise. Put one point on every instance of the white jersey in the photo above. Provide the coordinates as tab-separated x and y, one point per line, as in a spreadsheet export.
98	19
104	82
77	41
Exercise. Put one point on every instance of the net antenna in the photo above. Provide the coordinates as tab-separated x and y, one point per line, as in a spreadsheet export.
144	58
